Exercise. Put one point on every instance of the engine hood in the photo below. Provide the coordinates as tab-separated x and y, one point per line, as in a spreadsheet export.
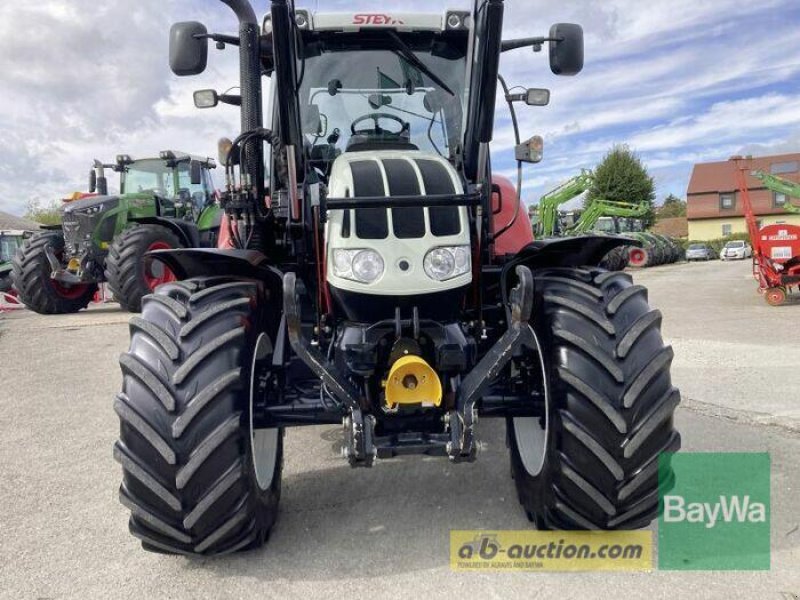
77	206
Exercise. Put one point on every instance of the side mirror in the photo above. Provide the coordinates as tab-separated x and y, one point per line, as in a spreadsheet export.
566	49
195	172
530	151
537	97
205	98
92	181
188	48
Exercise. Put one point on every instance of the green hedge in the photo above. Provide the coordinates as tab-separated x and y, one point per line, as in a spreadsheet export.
717	243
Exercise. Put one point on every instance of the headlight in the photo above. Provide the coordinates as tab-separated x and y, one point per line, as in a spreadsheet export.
447	262
358	264
92	210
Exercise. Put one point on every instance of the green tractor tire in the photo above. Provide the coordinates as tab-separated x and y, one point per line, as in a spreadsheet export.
37	290
130	274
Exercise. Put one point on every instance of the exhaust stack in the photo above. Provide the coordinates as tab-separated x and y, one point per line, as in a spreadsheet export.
250	83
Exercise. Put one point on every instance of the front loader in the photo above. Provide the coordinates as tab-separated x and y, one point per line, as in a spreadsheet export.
361	284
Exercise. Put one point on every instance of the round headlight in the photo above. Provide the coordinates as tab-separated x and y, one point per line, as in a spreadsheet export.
462	259
342	263
367	266
440	264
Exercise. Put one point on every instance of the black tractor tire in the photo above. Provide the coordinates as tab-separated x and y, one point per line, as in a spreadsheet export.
595	466
127	271
189	477
37	290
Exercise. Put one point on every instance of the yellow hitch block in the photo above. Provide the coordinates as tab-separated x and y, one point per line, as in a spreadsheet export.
74	264
412	381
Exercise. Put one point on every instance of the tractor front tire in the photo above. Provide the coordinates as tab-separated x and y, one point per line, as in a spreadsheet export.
611	405
129	274
185	446
37	290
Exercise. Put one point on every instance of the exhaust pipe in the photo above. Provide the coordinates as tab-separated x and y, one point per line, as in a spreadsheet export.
250	82
283	44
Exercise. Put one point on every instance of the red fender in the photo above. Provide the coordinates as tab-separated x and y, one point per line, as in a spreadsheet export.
520	234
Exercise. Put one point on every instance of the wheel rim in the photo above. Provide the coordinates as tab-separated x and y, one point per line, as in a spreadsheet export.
263	442
637	257
155	271
776	296
531	437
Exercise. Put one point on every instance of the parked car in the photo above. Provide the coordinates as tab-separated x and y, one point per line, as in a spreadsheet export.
736	249
699	252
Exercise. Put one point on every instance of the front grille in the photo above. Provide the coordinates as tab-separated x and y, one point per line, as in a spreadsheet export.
402	180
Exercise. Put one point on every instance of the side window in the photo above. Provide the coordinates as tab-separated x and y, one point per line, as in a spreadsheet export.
727	200
783	167
197	191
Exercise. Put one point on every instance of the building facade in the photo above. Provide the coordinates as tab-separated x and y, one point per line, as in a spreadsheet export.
713	201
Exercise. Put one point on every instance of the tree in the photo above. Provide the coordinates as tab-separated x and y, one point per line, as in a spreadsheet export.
672	207
47	214
621	177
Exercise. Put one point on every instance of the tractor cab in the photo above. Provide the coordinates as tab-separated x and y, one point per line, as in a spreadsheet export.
393	127
181	183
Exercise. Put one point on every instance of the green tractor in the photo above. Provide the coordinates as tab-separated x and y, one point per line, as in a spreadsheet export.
10	240
165	202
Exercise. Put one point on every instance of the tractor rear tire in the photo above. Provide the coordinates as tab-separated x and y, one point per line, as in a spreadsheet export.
185	445
596	465
37	290
129	274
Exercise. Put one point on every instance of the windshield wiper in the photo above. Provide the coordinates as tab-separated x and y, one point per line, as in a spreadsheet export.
405	52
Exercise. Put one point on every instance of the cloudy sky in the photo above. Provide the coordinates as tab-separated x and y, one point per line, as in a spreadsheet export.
679	81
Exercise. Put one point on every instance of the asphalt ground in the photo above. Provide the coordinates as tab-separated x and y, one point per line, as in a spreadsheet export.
384	532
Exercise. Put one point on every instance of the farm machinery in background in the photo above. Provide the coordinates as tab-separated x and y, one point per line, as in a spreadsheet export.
648	249
10	241
165	202
774	183
776	248
655	249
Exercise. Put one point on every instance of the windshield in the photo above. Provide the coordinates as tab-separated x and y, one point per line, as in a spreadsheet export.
734	245
8	246
364	94
697	247
149	175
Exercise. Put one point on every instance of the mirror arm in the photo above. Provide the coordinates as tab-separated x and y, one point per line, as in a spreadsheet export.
220	38
232	99
536	42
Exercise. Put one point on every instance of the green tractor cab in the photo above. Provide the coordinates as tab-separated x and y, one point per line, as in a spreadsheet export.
10	241
163	203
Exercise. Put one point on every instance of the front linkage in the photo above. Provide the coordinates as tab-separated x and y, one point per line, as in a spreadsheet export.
361	445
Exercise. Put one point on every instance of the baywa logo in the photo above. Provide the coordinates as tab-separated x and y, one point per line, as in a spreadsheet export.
716	515
729	509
